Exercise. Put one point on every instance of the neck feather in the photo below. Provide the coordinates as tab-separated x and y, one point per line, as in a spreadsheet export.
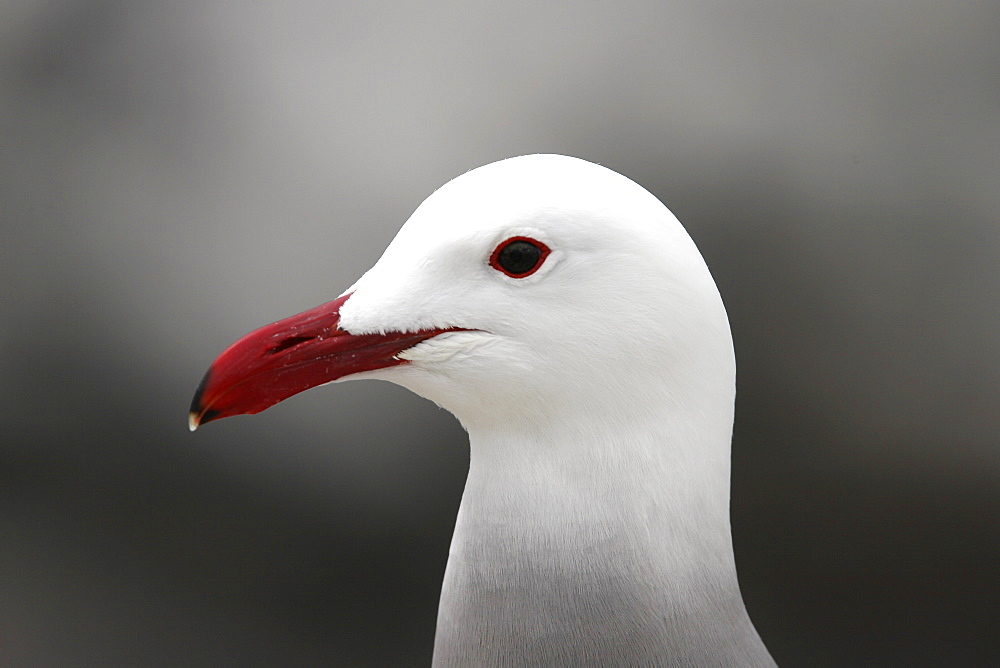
604	542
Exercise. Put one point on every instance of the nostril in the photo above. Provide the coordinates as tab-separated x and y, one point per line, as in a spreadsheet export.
290	342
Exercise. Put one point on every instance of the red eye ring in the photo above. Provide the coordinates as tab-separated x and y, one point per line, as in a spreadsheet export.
519	257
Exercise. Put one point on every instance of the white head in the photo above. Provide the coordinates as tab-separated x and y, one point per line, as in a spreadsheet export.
621	316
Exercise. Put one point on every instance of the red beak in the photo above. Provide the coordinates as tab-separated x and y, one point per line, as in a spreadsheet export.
279	360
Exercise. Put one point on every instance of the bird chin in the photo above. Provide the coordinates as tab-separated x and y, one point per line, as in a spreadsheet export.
435	368
445	347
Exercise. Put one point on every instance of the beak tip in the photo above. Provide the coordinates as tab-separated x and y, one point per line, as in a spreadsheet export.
197	415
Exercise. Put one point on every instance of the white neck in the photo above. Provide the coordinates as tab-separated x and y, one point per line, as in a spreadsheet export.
578	547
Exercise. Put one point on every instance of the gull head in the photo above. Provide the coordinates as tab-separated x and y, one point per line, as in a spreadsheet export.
535	286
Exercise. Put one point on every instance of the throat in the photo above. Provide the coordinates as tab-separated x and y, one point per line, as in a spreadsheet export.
578	546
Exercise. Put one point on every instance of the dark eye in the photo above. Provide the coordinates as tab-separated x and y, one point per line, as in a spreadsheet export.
519	256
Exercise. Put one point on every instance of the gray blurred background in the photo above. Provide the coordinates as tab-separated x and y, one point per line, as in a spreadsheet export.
176	174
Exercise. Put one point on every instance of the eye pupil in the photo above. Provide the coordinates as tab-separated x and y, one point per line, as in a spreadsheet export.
519	257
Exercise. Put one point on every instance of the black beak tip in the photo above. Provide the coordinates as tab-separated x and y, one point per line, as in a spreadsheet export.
197	414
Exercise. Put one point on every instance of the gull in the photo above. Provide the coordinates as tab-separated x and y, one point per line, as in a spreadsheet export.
566	318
